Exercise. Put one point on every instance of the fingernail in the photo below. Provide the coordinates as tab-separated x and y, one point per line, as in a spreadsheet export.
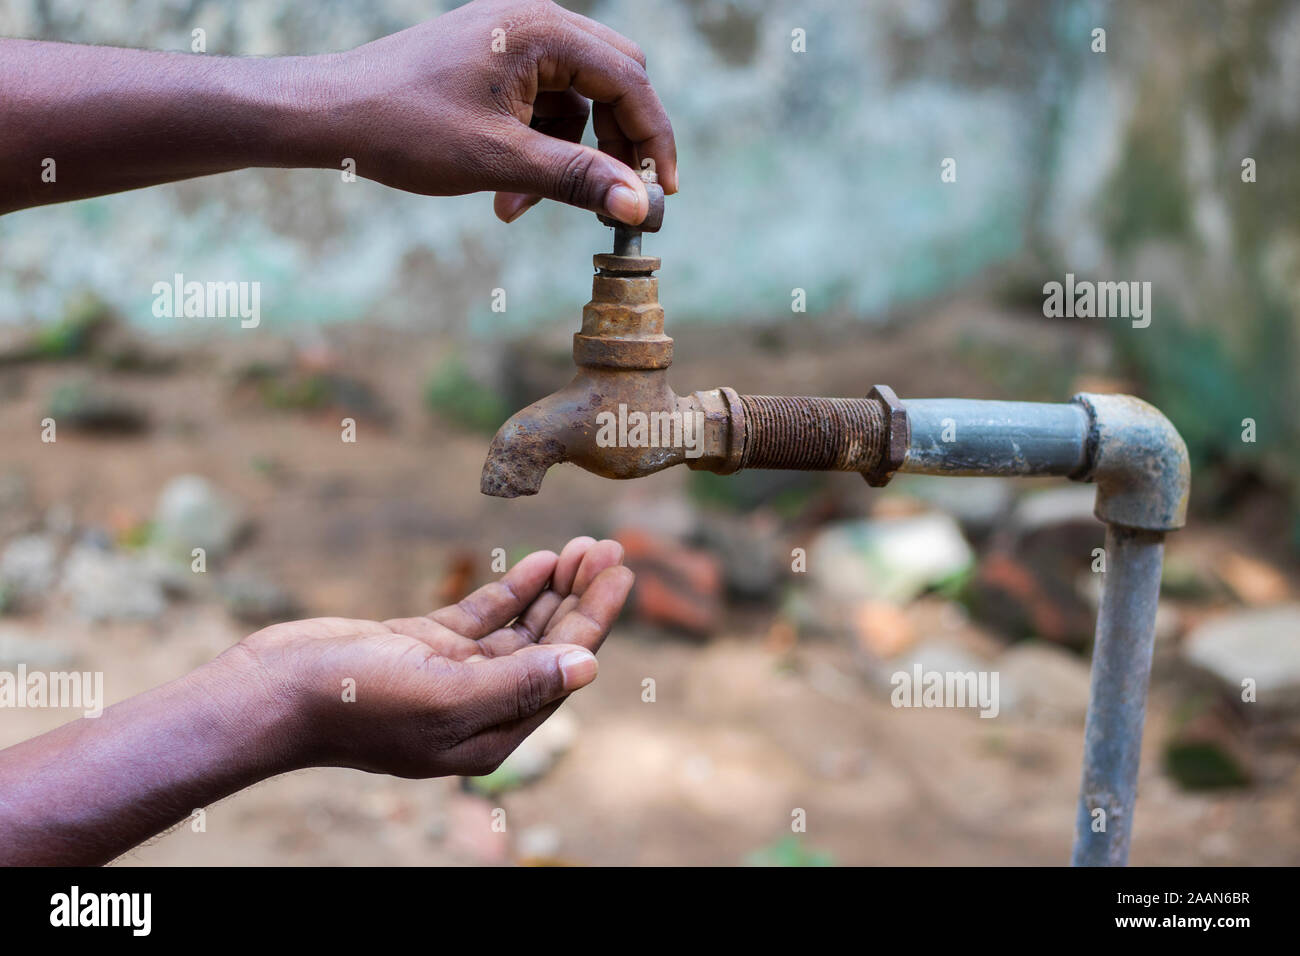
578	668
524	206
623	204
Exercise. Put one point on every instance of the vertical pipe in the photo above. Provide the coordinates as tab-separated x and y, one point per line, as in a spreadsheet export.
1121	671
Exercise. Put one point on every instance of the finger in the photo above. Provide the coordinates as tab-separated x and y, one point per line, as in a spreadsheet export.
441	639
608	34
497	604
536	164
527	630
595	557
566	569
567	605
610	138
560	114
601	555
605	74
590	620
510	206
581	560
500	690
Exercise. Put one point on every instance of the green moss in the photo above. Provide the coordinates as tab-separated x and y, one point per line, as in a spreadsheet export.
73	334
1147	197
461	399
1203	766
789	851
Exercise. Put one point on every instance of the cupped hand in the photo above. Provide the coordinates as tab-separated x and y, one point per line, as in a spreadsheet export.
496	95
455	691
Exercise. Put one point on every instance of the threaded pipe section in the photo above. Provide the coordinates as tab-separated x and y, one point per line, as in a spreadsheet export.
813	434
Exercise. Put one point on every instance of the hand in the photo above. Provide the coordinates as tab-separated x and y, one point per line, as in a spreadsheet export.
453	692
435	110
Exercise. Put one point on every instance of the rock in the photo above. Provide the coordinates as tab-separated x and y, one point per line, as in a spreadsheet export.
933	654
106	585
677	586
29	566
882	628
19	646
1036	577
83	407
1258	644
749	548
16	515
476	830
539	842
192	514
977	503
1043	682
532	758
1054	507
1022	597
257	601
671	516
1252	581
892	559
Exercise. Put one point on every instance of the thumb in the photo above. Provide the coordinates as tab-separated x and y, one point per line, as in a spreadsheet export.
514	686
572	173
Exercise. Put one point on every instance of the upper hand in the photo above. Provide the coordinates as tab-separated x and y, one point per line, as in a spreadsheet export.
450	107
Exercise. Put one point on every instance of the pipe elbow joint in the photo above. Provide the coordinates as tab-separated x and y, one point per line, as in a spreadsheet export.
1139	463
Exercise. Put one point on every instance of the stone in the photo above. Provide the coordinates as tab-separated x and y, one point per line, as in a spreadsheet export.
678	587
84	407
106	585
257	601
976	502
892	559
1044	682
753	563
1257	644
20	646
29	566
1252	581
1052	507
190	514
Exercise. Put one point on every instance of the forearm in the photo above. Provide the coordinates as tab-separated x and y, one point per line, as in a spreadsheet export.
114	119
92	789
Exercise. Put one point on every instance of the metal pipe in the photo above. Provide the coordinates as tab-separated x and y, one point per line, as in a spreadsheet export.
957	436
1140	466
1121	671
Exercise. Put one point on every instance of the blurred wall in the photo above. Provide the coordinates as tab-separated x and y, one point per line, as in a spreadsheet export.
817	170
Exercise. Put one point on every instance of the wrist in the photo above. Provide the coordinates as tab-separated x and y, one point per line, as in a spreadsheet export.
306	116
263	716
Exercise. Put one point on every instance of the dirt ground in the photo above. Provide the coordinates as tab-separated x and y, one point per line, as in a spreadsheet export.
744	729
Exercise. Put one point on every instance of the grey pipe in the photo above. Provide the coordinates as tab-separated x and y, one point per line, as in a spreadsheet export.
1139	463
1121	670
958	436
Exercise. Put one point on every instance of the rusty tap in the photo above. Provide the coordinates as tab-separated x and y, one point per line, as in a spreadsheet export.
620	418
